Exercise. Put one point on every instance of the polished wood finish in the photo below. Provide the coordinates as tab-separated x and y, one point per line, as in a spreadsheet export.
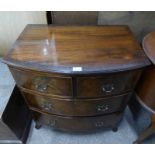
148	46
68	107
146	90
146	87
76	74
79	124
107	85
47	84
57	49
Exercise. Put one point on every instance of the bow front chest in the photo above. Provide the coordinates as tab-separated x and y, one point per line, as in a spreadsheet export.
76	78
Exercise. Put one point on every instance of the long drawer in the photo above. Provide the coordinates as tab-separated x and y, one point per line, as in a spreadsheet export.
106	85
42	83
78	124
83	107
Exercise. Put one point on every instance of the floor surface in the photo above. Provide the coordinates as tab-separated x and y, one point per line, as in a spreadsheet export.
128	129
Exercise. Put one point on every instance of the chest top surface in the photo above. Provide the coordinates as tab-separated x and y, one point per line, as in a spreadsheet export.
76	49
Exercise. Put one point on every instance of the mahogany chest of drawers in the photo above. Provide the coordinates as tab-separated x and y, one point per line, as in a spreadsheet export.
76	78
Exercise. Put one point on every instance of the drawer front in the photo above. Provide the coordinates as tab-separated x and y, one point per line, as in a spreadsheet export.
48	85
78	124
106	85
77	107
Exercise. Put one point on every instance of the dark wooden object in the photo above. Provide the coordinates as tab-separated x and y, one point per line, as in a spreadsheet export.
76	76
72	17
16	120
49	17
146	87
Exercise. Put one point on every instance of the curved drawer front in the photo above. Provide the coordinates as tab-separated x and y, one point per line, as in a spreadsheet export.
79	124
58	86
77	107
110	84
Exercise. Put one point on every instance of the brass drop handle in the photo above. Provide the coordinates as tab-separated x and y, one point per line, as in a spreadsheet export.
41	87
102	108
46	106
99	124
108	88
41	83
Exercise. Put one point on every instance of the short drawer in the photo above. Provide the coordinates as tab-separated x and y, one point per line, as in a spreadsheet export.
83	107
48	85
78	124
108	84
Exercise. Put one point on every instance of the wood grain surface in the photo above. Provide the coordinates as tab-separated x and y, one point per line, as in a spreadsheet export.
60	48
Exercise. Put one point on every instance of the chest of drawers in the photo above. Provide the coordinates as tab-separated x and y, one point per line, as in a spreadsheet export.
76	78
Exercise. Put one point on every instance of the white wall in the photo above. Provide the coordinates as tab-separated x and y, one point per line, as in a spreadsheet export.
12	24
